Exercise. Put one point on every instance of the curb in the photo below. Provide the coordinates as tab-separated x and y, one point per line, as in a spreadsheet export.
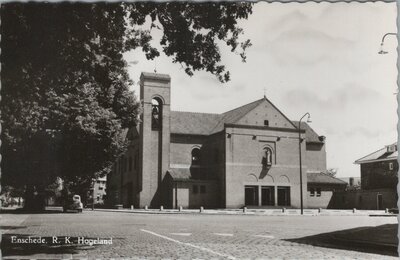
240	212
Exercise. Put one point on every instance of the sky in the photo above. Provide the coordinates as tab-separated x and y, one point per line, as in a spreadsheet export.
317	58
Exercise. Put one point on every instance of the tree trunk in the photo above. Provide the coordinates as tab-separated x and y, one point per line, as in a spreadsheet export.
34	199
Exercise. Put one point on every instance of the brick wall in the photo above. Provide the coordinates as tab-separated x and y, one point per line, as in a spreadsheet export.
195	194
378	175
364	199
321	195
316	157
155	145
244	163
266	111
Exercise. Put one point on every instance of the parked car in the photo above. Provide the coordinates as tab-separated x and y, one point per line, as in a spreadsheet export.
73	203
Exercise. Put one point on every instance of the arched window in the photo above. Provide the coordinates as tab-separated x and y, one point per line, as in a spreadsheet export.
267	157
156	112
195	156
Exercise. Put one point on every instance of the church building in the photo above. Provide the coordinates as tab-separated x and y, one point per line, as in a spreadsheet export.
248	156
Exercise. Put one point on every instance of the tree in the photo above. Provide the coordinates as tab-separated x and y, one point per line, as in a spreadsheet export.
65	86
332	172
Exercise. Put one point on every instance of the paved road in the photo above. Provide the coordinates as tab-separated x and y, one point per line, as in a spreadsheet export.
179	236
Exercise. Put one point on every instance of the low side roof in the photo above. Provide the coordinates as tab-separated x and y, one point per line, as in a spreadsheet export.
380	155
193	123
323	178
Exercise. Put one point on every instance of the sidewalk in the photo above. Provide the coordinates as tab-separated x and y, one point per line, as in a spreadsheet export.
268	212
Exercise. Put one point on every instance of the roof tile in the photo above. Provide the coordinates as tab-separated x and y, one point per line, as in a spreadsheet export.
323	178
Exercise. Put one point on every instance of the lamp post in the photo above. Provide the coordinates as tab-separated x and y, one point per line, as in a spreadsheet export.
301	170
381	51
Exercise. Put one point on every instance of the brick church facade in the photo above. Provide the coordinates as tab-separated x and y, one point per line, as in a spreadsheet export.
248	156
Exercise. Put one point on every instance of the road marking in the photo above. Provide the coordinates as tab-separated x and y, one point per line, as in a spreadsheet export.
181	234
188	244
223	234
264	236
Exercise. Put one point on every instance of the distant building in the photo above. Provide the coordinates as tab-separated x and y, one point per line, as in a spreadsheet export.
378	182
99	191
248	156
379	169
353	183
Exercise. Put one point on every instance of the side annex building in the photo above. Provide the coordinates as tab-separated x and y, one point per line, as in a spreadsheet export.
248	156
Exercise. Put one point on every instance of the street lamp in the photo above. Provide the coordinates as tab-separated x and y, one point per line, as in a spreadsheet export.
301	170
382	51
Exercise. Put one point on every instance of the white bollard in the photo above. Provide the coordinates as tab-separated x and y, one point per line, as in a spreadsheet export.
146	207
161	208
283	210
386	210
244	209
201	209
319	210
180	208
354	210
132	207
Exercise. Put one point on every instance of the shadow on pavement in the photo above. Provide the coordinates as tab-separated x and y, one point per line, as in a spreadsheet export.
40	245
378	240
11	227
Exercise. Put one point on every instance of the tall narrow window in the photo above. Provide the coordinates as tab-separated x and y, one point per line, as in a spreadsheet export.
195	156
390	166
156	107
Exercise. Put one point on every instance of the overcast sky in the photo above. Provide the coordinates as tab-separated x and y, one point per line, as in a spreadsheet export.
317	58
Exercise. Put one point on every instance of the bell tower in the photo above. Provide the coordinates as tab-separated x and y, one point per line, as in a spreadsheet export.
155	94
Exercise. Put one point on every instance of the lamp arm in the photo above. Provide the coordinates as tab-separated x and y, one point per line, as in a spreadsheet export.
384	36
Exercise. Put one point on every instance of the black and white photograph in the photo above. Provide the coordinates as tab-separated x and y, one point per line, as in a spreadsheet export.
199	130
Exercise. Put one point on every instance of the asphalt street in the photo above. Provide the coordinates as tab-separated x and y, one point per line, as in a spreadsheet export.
138	236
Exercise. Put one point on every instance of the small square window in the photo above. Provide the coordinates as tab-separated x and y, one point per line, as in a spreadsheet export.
312	192
391	166
195	189
266	122
100	188
202	189
318	192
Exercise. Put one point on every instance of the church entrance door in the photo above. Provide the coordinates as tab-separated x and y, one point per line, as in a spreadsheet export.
283	196
251	195
267	196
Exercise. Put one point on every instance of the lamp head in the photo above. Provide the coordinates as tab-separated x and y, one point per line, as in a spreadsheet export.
381	50
309	119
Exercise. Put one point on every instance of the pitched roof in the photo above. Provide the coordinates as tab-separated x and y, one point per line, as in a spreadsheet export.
380	155
206	123
311	135
193	123
234	115
323	178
